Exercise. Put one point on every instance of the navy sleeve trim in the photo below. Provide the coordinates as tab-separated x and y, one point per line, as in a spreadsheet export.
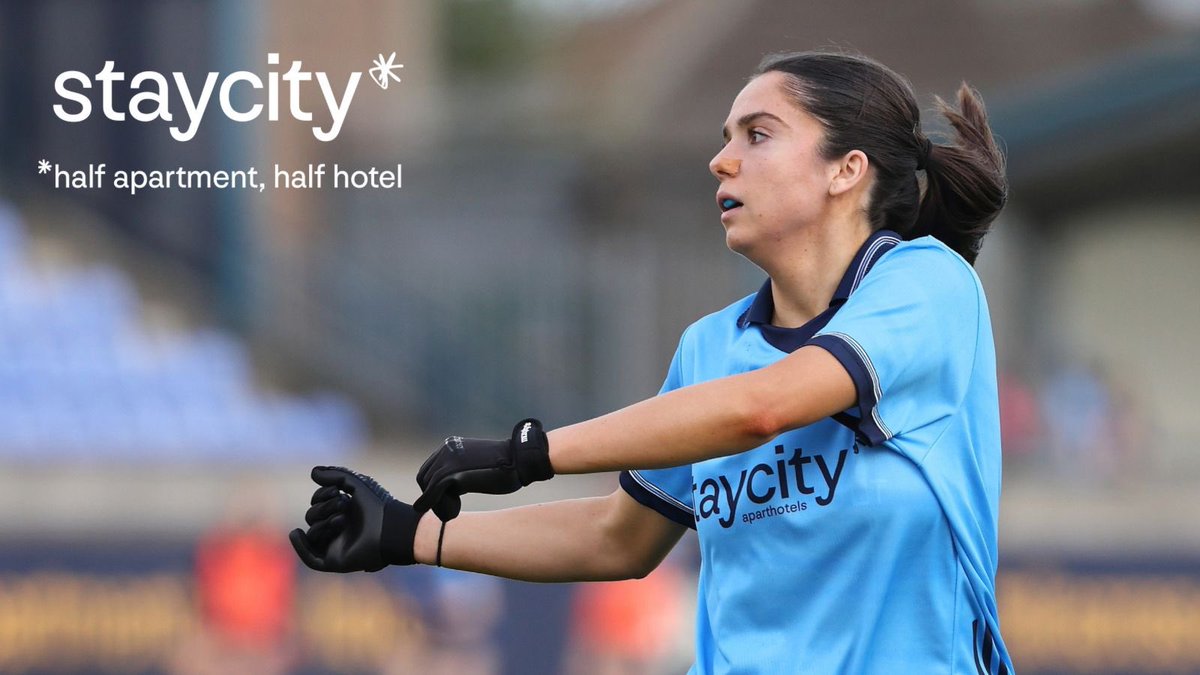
870	428
649	495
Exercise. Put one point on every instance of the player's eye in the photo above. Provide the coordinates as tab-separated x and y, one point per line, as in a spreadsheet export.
756	136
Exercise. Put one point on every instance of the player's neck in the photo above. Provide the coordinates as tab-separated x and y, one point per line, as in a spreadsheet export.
806	274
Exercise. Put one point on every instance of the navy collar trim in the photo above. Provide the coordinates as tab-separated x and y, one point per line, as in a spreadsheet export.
762	309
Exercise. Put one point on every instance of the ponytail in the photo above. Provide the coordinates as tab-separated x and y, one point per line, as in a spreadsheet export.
965	183
864	105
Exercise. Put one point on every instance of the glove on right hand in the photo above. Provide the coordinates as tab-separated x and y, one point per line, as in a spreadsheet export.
354	525
465	465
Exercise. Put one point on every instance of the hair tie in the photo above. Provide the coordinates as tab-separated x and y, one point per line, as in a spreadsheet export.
923	156
441	535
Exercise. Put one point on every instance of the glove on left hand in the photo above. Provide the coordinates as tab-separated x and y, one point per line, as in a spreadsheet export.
465	465
355	525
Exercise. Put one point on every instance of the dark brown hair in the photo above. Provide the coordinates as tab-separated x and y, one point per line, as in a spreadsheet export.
866	106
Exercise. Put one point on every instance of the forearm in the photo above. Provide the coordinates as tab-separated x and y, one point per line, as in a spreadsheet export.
572	540
683	426
707	420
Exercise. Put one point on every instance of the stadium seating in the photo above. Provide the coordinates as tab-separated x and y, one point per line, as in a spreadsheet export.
82	379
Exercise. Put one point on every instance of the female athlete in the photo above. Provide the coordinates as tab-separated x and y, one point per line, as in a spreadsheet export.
833	438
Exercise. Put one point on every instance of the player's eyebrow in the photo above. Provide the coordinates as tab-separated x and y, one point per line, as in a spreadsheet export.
750	118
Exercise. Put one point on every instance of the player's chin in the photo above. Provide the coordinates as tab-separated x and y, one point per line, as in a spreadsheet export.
738	238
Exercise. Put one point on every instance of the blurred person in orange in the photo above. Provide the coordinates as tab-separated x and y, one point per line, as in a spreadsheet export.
245	593
1020	420
628	627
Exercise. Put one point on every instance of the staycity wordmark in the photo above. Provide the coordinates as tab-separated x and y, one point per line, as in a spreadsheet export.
155	97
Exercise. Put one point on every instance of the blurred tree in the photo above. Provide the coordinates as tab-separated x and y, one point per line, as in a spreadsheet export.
485	36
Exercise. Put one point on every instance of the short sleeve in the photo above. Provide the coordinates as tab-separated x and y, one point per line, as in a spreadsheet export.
908	338
667	491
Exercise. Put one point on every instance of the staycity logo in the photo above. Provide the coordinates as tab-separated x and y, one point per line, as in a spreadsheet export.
152	95
721	497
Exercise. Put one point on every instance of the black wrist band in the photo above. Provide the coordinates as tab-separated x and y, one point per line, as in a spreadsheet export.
397	534
441	536
531	451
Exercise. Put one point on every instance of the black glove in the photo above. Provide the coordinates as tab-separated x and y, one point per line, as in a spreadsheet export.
354	525
465	465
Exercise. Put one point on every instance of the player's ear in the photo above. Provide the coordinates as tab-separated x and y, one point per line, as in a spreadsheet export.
848	172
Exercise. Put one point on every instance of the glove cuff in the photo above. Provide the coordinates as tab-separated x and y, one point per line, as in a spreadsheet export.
399	530
532	451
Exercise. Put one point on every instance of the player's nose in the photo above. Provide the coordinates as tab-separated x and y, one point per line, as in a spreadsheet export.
722	166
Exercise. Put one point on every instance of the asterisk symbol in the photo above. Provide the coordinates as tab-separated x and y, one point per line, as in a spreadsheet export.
382	71
43	166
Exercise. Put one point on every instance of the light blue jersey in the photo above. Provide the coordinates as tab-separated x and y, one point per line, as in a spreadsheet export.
866	543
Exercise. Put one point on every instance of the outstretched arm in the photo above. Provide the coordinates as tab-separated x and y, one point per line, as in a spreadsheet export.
356	525
687	425
593	539
711	419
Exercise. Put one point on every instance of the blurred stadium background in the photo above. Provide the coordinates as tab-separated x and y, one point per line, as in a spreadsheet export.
172	363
